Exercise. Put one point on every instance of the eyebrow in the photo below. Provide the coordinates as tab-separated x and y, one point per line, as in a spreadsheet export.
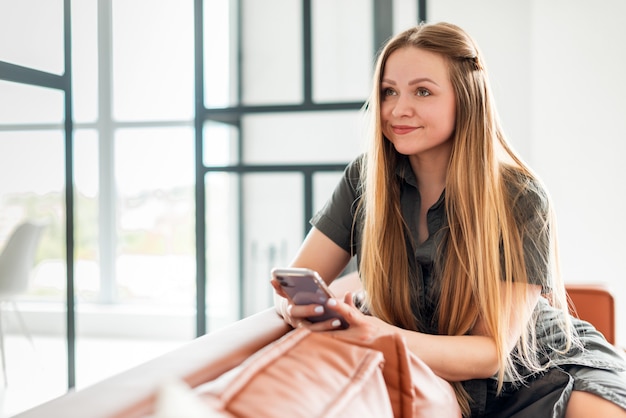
412	82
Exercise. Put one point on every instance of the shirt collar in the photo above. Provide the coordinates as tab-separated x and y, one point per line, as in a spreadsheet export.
405	173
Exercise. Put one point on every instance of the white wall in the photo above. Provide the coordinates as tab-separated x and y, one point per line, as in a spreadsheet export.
578	134
557	68
501	29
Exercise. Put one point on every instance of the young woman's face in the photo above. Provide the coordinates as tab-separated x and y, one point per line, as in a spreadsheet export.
417	102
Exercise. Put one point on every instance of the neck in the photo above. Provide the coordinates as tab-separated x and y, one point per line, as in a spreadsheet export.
431	173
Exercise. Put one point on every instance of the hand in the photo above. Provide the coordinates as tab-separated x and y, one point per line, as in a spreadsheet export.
294	315
362	327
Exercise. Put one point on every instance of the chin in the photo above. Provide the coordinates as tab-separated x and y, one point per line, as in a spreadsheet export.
404	149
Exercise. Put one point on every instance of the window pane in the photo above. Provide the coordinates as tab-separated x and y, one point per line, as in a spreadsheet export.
342	50
86	221
220	53
154	177
274	220
323	186
404	14
222	243
32	183
153	62
272	51
85	60
32	188
21	103
220	144
32	34
304	137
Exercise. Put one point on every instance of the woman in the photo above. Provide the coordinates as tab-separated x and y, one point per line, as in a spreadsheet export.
455	244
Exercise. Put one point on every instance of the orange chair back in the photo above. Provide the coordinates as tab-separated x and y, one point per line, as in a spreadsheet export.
594	304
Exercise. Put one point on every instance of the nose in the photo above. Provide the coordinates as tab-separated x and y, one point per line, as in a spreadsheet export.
403	106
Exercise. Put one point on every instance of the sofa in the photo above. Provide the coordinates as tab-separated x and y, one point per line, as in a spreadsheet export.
132	394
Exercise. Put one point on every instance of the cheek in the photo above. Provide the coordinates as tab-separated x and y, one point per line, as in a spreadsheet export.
451	121
448	114
385	116
385	111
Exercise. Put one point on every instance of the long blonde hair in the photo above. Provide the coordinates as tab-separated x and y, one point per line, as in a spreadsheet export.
483	255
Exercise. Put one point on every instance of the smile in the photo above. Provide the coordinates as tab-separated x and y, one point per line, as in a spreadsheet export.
403	129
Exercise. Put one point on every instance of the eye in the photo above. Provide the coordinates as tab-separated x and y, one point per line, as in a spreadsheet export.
386	91
422	92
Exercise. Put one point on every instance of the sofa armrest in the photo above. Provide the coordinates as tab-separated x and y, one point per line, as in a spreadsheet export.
132	393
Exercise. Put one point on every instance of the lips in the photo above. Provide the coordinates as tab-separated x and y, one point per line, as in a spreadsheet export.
403	129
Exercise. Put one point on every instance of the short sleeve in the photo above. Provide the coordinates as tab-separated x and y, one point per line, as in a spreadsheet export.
532	213
336	218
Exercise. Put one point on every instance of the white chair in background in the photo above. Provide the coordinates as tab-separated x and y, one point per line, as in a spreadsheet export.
16	263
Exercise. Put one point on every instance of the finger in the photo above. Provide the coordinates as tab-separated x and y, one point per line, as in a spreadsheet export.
347	310
278	288
291	320
329	325
348	298
305	311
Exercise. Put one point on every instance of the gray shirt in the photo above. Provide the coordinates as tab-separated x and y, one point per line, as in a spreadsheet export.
339	221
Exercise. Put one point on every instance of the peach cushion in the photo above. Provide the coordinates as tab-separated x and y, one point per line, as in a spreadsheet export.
414	389
307	374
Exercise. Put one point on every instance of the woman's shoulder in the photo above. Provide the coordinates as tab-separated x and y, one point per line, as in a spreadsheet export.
357	164
525	190
354	171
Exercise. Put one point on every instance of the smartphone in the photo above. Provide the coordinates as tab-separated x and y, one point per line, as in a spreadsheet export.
306	287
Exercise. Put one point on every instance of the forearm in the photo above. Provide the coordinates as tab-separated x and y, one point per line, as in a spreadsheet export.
464	357
455	358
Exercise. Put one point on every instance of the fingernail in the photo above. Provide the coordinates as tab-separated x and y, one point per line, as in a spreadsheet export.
336	323
332	302
319	309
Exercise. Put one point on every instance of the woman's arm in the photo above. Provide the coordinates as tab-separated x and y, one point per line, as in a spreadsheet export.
319	253
454	358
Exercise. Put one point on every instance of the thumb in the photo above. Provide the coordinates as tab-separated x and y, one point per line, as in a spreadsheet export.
347	298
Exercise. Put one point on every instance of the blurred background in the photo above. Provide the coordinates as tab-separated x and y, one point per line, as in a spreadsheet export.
174	150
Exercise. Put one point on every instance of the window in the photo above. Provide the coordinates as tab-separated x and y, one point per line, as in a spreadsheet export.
276	96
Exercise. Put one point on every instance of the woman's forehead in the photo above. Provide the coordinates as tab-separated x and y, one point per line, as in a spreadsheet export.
410	63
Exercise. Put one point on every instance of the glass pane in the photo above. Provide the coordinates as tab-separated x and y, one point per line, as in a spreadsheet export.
304	137
272	51
114	336
85	60
24	104
32	188
220	53
404	14
35	31
220	144
86	221
274	222
154	173
153	67
323	186
342	50
222	243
